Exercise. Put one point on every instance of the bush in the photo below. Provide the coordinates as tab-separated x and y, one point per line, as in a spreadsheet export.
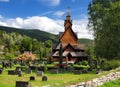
85	63
81	67
109	65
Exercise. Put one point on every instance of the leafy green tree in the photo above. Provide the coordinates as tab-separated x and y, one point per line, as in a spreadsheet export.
9	56
104	21
26	44
36	46
48	43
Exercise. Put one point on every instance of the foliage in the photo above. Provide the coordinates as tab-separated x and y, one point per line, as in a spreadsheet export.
9	56
48	43
90	52
37	34
104	21
115	83
86	42
81	66
41	35
109	65
15	43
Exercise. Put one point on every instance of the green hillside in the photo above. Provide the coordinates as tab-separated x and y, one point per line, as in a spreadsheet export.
33	33
41	35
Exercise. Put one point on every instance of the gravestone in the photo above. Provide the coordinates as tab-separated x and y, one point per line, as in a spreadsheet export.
7	65
84	71
44	78
22	64
22	84
41	68
3	65
11	72
77	72
17	68
1	71
32	78
70	69
20	73
10	64
28	71
39	73
54	71
33	67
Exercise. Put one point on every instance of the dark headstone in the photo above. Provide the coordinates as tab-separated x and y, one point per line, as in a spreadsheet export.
20	73
7	65
84	71
32	78
77	72
70	69
1	71
97	72
39	73
22	64
33	67
28	71
54	71
10	64
41	68
22	84
11	72
44	78
3	64
17	68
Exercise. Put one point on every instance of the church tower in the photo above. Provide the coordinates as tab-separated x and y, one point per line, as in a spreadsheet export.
68	36
72	51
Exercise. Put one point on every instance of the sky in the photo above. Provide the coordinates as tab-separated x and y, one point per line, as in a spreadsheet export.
45	15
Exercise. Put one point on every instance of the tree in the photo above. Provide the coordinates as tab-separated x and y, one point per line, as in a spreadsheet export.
104	21
48	43
26	44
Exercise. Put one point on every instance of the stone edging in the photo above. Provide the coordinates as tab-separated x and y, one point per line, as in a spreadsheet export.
98	81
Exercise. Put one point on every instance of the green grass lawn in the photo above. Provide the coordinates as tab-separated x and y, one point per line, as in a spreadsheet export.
53	79
115	83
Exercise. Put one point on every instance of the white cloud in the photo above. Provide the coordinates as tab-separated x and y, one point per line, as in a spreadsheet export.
48	25
4	0
50	2
34	22
80	26
59	13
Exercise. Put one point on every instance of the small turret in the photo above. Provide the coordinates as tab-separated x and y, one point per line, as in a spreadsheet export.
68	21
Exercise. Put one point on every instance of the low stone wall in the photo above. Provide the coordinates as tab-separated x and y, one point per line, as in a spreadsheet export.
98	81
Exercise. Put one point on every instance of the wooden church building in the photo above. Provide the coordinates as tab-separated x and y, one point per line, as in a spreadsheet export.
72	51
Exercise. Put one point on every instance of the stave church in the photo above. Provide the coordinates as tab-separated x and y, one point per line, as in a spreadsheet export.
68	47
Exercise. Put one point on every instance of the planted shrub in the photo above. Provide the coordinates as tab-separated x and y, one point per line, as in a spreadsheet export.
109	65
81	67
85	63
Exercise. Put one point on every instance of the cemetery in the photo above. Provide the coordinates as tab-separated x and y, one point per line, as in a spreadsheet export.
50	75
63	61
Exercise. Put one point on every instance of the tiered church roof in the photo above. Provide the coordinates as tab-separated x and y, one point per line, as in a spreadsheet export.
71	49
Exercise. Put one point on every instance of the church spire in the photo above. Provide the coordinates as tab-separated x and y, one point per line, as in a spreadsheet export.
68	14
68	21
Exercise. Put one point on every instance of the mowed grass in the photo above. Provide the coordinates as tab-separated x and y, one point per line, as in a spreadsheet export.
54	80
115	83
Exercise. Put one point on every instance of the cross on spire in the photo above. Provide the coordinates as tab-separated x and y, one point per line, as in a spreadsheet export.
68	14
